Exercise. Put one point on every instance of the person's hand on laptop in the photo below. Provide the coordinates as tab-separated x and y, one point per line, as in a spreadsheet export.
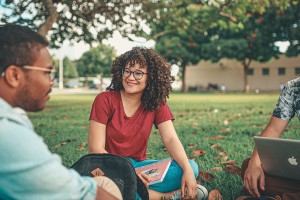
254	178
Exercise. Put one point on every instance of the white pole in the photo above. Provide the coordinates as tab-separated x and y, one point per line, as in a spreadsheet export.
61	77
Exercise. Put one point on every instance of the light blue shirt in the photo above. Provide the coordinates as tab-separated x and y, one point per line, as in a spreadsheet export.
28	170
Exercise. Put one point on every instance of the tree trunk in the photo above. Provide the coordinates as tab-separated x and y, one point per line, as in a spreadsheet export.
101	82
50	20
246	66
183	66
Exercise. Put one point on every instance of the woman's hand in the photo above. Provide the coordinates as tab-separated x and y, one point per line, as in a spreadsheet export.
145	179
188	185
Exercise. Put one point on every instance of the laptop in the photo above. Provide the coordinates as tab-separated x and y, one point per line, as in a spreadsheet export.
279	157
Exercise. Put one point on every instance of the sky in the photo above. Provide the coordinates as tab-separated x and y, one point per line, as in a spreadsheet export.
75	51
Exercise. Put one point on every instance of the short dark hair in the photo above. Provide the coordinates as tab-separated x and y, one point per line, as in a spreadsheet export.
159	76
19	45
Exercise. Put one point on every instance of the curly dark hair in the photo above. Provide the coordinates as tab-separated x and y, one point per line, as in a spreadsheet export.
159	77
19	45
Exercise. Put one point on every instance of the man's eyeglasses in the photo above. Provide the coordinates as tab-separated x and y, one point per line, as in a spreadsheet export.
51	72
138	74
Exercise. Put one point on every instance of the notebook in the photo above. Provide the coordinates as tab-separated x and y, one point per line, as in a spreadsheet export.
279	157
157	171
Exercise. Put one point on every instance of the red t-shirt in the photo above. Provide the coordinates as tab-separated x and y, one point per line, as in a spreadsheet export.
126	136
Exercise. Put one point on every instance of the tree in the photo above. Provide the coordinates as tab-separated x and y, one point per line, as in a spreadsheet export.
179	35
70	70
212	30
79	20
97	60
178	51
254	38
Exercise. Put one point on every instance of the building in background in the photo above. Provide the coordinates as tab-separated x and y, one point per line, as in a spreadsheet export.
262	77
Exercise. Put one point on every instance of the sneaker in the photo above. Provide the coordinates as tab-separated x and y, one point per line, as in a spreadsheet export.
201	194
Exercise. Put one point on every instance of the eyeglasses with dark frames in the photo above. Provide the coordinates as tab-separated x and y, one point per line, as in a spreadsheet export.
137	74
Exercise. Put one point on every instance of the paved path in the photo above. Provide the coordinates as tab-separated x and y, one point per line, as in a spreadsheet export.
56	91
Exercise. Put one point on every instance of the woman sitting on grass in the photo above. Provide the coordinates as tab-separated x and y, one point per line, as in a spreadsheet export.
122	118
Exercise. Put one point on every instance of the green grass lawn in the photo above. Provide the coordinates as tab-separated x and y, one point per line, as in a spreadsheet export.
198	118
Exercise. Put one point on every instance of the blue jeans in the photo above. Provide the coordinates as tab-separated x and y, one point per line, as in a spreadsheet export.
172	180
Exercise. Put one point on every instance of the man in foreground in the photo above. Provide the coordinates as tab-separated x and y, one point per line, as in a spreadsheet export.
28	169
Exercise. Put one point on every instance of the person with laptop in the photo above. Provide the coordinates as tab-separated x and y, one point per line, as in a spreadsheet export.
28	170
256	182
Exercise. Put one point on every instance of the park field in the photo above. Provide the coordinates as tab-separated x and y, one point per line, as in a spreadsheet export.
213	128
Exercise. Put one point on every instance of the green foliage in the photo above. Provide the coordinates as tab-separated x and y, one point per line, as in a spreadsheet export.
198	118
79	20
230	48
97	60
189	31
70	70
255	37
55	63
177	51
